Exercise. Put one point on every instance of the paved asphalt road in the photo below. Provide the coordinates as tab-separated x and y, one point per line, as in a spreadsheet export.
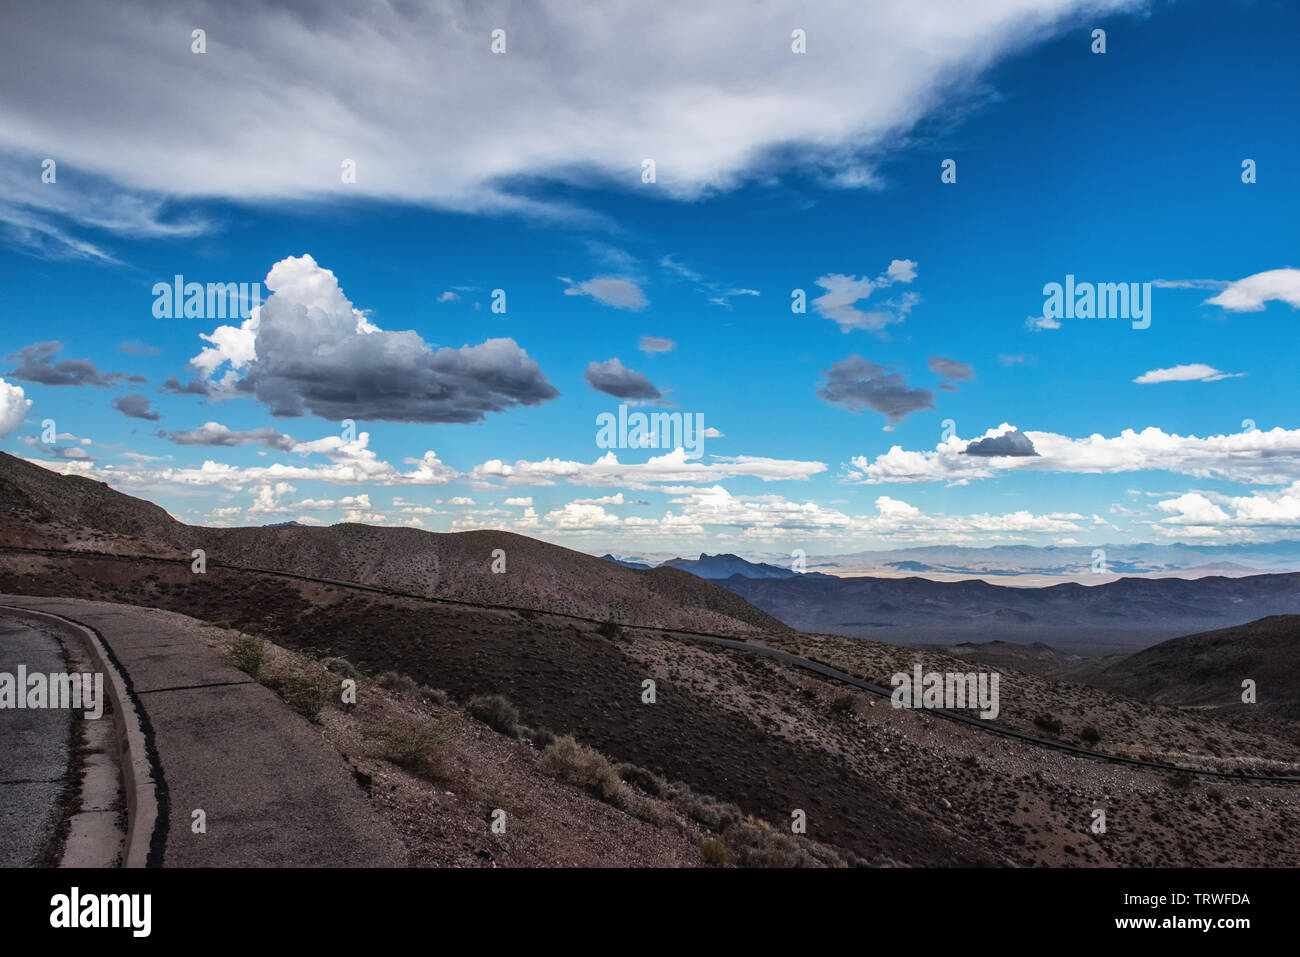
274	792
34	750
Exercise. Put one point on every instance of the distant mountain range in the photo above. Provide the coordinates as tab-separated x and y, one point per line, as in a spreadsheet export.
1107	615
1012	564
1070	561
1127	614
641	566
725	566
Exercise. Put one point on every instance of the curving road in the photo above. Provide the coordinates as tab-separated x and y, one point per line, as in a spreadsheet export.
808	664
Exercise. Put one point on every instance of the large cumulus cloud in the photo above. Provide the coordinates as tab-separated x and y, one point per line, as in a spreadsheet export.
13	406
309	350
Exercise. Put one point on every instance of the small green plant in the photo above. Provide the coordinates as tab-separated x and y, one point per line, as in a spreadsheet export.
250	653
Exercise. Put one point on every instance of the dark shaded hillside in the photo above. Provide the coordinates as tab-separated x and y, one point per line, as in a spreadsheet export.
39	508
1207	669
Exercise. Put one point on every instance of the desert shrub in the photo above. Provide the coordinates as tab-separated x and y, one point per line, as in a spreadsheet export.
566	760
715	852
1090	735
402	684
340	666
652	812
419	745
609	629
756	844
305	690
645	780
541	737
1048	723
1181	780
436	696
844	703
703	809
250	653
496	712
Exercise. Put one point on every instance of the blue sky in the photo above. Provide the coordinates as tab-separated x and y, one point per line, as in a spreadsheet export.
1117	167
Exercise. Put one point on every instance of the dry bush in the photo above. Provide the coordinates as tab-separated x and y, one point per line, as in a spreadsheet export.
304	689
648	810
703	809
401	684
250	653
715	852
496	712
418	745
566	760
1048	723
644	780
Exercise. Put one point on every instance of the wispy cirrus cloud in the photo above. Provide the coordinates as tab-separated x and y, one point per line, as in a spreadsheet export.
412	123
